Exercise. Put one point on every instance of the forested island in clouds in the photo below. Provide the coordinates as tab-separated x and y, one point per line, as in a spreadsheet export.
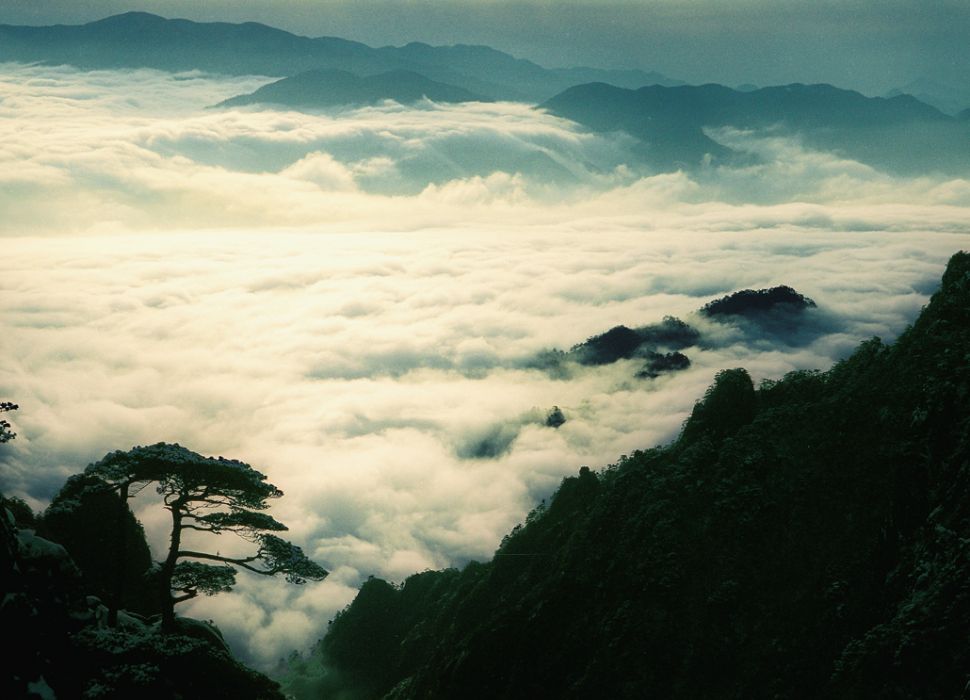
427	371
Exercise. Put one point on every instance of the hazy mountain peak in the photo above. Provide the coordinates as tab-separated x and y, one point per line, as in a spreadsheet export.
330	88
898	134
140	39
130	18
948	97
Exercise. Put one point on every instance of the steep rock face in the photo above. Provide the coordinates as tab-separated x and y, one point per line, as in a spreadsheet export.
42	605
59	645
803	539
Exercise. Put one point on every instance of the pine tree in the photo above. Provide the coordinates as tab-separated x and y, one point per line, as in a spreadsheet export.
212	495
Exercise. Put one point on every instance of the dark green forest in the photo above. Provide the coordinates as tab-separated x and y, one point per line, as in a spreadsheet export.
806	538
95	617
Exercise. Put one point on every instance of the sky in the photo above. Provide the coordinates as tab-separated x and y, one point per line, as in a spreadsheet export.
351	302
859	44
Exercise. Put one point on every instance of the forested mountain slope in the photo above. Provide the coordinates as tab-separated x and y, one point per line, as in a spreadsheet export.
808	538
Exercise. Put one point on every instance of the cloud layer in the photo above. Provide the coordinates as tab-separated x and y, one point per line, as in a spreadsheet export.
348	301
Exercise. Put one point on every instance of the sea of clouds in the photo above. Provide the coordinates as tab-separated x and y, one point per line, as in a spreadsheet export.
350	301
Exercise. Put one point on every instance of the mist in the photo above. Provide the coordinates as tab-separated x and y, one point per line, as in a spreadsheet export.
872	47
349	300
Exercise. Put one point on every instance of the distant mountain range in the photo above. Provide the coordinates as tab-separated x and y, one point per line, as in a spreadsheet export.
675	123
328	88
951	98
138	39
899	134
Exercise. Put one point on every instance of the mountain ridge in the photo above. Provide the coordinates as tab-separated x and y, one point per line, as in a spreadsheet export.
898	134
328	88
139	39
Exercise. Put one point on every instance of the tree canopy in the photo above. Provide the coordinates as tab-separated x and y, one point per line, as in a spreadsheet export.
6	435
212	495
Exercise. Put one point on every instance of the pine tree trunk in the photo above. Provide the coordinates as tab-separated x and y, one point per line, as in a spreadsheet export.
168	570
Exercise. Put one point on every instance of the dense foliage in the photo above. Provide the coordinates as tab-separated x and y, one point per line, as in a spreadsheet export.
212	495
6	434
775	314
104	539
753	301
804	539
79	615
60	643
621	343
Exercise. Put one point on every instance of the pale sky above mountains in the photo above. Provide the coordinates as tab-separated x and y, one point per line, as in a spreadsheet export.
868	46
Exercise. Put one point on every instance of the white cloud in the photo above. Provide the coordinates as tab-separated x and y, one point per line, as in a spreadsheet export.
352	344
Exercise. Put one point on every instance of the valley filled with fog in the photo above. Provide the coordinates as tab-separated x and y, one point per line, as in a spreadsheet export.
353	302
